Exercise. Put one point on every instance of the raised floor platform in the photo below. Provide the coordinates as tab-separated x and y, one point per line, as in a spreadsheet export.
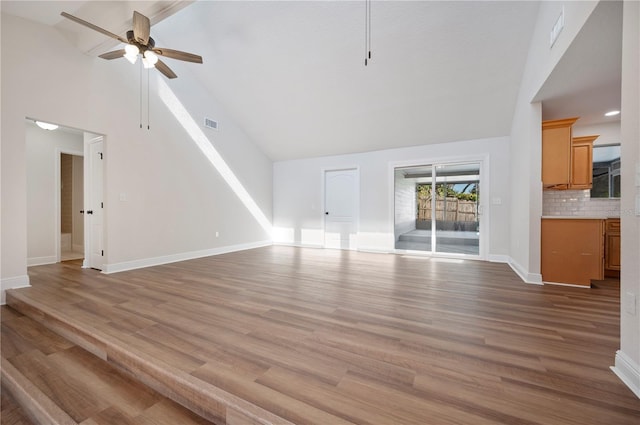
283	335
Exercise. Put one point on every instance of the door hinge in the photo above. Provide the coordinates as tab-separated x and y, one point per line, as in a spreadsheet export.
103	252
100	154
101	204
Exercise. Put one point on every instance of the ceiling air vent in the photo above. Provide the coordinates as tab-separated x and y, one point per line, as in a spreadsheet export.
209	123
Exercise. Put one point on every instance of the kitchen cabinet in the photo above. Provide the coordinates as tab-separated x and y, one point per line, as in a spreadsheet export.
612	247
567	161
582	162
556	152
572	250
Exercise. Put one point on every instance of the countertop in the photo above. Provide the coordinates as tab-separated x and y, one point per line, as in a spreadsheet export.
573	217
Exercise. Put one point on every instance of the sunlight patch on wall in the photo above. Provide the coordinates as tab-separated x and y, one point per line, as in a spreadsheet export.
200	139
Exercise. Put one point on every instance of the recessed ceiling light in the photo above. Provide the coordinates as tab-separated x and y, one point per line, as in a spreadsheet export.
611	113
46	125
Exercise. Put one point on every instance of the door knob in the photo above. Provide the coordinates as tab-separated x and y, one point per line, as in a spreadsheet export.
326	213
90	212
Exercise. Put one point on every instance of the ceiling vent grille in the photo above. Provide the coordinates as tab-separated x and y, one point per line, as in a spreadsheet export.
212	124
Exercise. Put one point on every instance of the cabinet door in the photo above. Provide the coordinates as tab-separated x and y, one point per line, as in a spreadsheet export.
582	165
556	156
572	251
556	153
613	252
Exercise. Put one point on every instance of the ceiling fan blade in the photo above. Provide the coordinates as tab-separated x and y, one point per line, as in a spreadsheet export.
141	28
177	54
93	27
113	55
166	71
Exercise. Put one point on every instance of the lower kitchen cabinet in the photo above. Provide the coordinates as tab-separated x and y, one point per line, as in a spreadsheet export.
612	248
572	250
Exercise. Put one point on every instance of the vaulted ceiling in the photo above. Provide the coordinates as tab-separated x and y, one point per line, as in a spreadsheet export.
292	74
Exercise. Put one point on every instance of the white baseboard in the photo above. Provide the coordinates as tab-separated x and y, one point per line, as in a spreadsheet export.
566	284
156	261
533	278
498	258
628	371
13	283
374	250
39	261
299	245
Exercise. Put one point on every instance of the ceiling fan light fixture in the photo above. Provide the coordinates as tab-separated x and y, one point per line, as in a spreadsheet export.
46	125
131	53
151	59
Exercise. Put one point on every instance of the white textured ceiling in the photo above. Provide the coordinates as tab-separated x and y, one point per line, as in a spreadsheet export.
292	73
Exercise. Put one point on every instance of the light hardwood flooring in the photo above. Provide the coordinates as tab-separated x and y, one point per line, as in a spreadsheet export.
336	337
85	389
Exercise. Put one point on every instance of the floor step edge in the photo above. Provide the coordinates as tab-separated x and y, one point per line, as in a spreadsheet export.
31	399
202	398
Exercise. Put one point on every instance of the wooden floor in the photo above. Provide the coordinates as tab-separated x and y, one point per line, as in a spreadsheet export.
337	337
87	389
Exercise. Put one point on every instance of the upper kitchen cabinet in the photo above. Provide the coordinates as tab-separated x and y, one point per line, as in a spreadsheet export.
582	162
567	161
556	153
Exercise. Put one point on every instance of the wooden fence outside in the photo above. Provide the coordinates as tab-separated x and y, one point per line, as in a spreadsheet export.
447	209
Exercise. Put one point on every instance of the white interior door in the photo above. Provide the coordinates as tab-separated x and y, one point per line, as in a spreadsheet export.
341	209
95	206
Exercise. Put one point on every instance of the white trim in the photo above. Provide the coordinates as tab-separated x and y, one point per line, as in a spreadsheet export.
498	258
39	261
566	284
12	283
299	245
628	371
533	278
375	250
166	259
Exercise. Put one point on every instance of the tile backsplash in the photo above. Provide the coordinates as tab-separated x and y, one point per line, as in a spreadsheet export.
578	203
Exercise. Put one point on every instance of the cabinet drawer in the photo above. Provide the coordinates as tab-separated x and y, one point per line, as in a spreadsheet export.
613	225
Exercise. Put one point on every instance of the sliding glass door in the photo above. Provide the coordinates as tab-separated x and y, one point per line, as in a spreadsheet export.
437	208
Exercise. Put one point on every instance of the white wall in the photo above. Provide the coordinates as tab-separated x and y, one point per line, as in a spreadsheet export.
627	364
526	133
298	192
609	132
42	164
174	199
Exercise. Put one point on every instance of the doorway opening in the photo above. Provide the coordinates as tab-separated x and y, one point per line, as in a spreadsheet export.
71	207
64	189
437	208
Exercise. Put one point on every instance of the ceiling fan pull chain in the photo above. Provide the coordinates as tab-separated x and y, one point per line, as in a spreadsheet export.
366	30
140	66
148	108
369	27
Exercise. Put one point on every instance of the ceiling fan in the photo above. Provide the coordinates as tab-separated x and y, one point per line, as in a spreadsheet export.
138	42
